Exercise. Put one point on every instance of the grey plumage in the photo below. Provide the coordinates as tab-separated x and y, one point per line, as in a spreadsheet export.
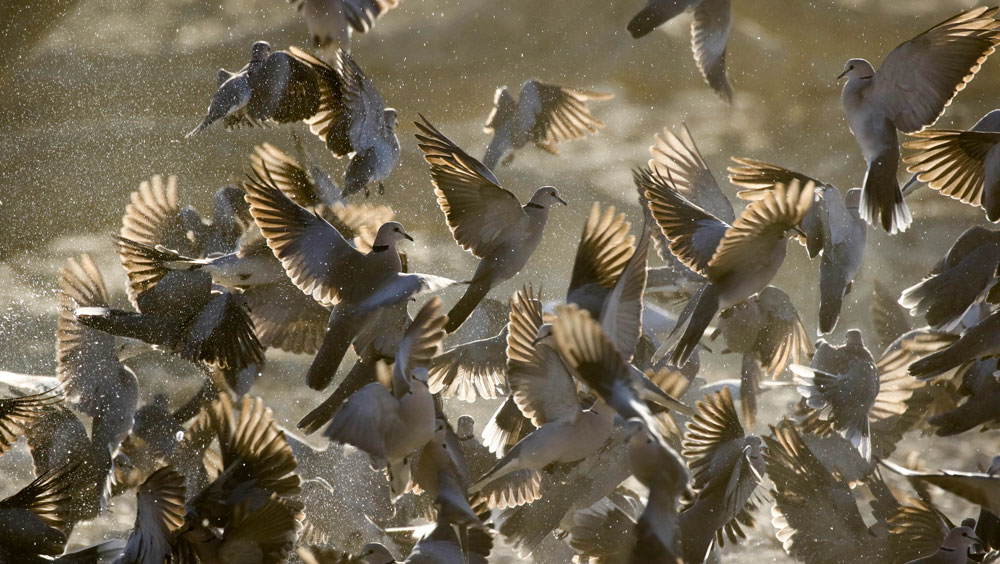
911	89
485	219
543	114
331	23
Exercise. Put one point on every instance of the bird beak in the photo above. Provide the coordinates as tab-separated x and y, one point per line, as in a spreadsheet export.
977	539
841	75
560	200
407	235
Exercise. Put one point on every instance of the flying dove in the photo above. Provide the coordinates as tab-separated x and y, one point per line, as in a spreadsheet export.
832	226
273	87
160	514
911	89
954	549
980	341
543	114
963	277
440	546
485	219
737	260
844	381
709	34
726	466
959	164
332	22
322	264
981	488
353	120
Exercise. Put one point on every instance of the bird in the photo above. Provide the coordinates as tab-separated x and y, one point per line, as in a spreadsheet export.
485	219
159	516
274	87
305	182
543	114
353	120
954	548
910	91
833	227
981	488
962	278
844	382
20	412
977	342
440	546
981	392
36	519
726	465
331	23
322	264
958	164
737	260
476	369
709	34
767	331
394	416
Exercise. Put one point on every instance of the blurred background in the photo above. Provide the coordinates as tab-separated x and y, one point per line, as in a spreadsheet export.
97	95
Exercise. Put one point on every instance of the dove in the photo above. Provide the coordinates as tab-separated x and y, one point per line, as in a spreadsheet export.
543	114
332	22
980	341
737	260
322	264
833	227
954	548
484	218
35	521
160	514
962	278
274	87
981	488
440	546
962	165
981	389
709	34
440	470
471	370
265	534
394	416
659	468
726	465
767	331
353	120
909	92
844	381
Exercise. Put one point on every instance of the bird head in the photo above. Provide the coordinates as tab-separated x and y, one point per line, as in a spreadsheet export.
389	115
390	233
857	68
547	196
259	51
960	538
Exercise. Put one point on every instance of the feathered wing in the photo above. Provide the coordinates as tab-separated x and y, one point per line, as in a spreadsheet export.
159	516
422	339
361	14
709	36
287	174
917	529
678	159
314	254
621	316
693	233
561	115
919	78
19	413
479	212
715	426
471	370
603	252
952	162
774	215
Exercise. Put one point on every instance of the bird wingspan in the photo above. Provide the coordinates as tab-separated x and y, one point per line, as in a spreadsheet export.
919	78
479	211
677	158
709	35
951	162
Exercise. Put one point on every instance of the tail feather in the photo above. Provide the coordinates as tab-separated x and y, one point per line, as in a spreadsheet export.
361	374
339	333
881	197
463	309
860	438
701	317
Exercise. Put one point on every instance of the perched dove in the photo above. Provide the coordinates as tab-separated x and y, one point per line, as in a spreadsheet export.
543	114
737	260
709	34
911	89
843	381
962	165
332	22
484	218
323	264
353	120
273	87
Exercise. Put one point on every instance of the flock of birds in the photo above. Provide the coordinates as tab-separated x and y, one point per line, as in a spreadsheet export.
605	444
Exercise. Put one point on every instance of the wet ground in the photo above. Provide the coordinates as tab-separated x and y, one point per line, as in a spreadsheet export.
99	99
